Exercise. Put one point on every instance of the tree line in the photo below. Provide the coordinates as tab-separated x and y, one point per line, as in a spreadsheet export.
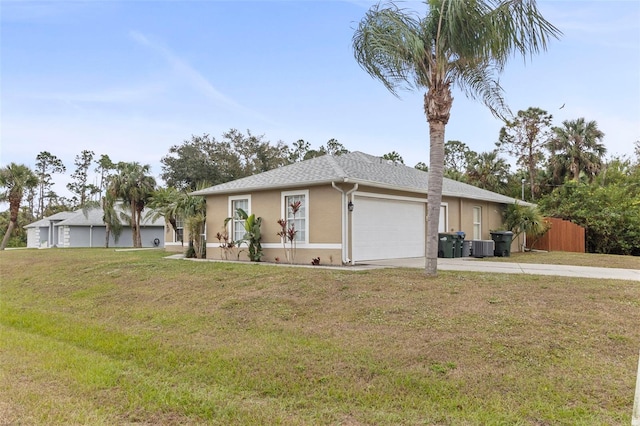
559	167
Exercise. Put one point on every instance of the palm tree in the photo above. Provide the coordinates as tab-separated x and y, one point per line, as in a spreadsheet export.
577	145
16	178
194	209
465	43
172	204
110	217
134	187
164	203
488	171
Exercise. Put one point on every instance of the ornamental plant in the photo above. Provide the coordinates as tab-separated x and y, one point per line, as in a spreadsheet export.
288	232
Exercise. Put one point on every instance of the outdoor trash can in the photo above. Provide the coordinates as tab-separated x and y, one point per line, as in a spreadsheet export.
446	245
459	240
502	240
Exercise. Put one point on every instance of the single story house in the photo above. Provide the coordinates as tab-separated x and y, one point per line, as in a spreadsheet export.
86	229
42	233
353	208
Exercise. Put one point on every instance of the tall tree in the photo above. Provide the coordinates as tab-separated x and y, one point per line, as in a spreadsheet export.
457	158
299	150
134	186
333	147
46	165
16	179
488	171
393	156
577	145
196	160
421	166
236	155
255	154
104	168
80	177
525	137
458	42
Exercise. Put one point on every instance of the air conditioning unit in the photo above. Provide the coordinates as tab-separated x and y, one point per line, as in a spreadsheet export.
482	248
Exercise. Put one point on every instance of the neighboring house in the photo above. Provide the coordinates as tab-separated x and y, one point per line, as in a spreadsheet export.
42	234
86	229
355	208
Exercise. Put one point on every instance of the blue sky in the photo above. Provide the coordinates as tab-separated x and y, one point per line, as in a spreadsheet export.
132	78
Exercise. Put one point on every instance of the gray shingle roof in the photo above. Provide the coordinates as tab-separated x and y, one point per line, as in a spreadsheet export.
45	222
355	167
92	217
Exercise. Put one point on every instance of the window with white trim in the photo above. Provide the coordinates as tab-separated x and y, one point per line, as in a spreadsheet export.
297	220
243	202
178	234
477	223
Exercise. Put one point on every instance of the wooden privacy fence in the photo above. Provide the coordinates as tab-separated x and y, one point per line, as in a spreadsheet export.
562	236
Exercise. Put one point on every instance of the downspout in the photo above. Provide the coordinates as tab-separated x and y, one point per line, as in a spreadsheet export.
345	221
90	236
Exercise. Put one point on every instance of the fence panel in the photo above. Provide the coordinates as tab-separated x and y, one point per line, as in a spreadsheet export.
562	236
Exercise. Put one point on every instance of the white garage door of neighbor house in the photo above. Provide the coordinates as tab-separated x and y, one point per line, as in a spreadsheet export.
387	229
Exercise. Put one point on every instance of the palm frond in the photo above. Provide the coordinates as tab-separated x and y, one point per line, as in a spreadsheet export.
388	46
480	82
517	26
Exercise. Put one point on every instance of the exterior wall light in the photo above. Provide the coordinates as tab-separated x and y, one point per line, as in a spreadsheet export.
350	206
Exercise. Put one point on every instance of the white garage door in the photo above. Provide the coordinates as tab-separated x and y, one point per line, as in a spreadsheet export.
387	229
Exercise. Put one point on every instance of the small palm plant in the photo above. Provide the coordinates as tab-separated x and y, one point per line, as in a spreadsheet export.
252	234
520	219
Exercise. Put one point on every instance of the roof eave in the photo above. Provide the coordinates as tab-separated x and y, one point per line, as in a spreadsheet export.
205	192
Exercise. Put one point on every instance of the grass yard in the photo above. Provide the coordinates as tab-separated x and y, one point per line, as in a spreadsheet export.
102	337
566	258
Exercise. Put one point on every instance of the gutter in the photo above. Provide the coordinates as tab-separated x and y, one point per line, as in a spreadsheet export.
345	220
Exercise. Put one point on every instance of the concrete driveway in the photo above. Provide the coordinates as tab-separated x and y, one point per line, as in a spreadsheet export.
478	265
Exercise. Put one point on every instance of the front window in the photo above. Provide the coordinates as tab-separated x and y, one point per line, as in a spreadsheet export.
179	231
237	223
295	213
477	223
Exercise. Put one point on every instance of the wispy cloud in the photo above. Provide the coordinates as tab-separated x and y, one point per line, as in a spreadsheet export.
192	76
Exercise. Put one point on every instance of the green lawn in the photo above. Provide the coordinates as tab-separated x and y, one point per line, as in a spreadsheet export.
104	337
566	258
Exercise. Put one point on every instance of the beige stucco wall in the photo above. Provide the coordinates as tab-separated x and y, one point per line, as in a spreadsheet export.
325	221
169	240
323	215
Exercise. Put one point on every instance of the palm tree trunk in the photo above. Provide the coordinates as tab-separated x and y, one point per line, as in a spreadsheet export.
437	108
138	236
434	194
7	235
133	223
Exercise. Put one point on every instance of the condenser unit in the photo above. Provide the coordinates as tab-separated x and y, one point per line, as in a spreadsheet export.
482	248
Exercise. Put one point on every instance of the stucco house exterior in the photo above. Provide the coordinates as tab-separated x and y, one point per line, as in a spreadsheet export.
41	234
354	208
176	240
86	229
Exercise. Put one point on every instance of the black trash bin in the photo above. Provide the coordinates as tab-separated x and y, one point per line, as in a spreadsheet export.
446	245
458	242
502	240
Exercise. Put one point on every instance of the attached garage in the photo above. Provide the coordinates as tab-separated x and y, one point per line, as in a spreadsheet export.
387	228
